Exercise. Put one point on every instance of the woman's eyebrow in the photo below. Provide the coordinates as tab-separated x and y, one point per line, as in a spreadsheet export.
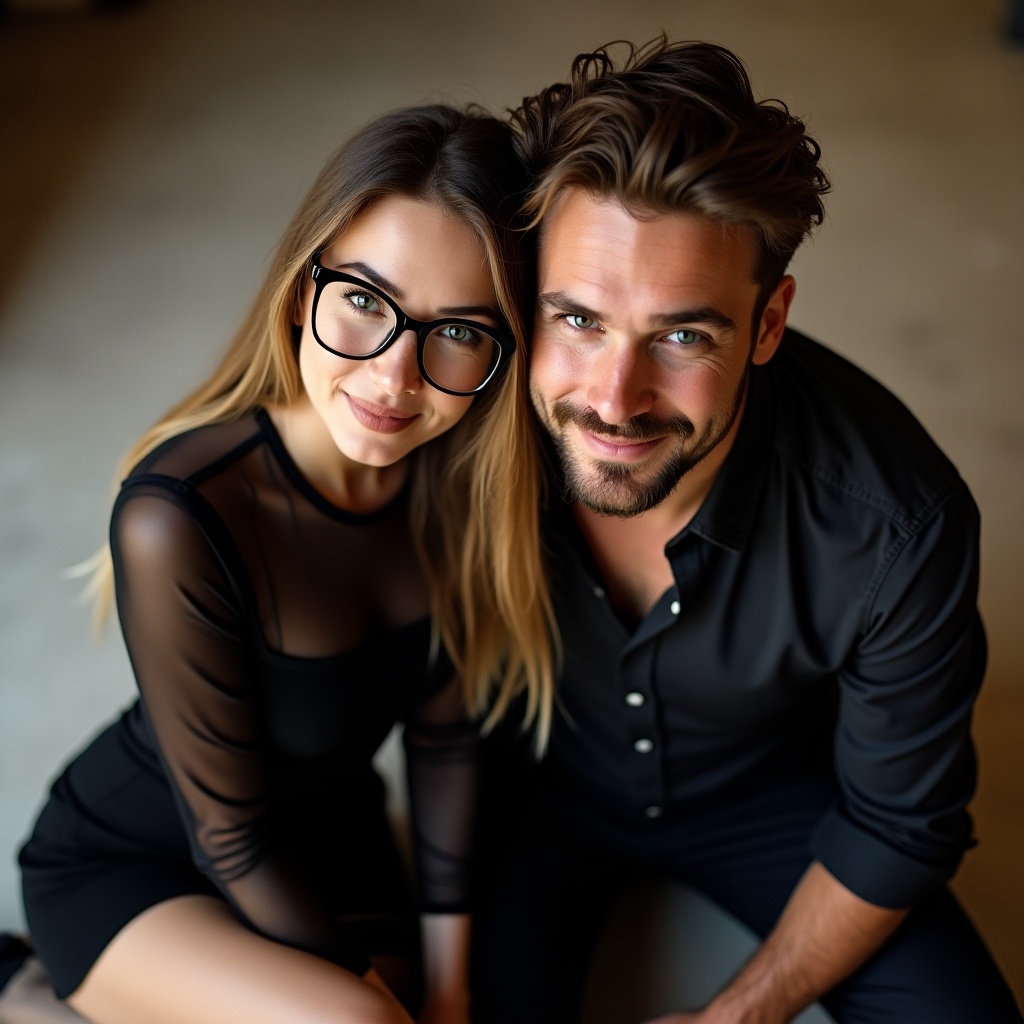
469	311
373	277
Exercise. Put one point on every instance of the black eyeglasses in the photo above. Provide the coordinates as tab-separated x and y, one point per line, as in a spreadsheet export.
355	320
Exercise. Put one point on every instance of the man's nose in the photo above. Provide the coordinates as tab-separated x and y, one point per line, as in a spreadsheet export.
396	369
620	385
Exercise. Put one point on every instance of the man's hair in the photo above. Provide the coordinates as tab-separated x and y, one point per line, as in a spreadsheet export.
676	128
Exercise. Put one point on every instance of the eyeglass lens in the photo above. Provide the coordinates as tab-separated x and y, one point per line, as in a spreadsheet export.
355	321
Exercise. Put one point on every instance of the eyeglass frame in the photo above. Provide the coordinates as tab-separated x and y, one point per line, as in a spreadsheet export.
323	276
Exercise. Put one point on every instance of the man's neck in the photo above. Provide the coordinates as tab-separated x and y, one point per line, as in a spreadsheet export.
630	553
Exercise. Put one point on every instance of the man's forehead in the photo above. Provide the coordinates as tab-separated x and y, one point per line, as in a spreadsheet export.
570	204
587	228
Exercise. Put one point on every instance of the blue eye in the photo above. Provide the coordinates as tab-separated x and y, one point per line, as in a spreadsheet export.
684	337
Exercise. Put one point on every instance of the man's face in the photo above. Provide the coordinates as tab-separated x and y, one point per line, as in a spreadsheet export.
642	345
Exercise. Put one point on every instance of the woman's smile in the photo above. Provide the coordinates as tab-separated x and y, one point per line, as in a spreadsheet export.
379	418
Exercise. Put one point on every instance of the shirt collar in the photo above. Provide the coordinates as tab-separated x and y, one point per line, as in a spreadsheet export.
726	516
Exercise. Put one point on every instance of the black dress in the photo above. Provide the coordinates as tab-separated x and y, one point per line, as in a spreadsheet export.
276	639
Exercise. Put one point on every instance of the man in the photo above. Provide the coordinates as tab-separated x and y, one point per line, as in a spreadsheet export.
764	574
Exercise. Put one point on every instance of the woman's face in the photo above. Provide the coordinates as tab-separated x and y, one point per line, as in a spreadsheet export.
432	264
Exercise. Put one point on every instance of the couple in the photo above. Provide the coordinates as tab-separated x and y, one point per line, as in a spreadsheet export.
752	576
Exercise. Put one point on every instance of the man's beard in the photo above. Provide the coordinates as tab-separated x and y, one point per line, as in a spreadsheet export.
617	489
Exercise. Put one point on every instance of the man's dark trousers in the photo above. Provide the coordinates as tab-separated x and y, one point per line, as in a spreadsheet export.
555	883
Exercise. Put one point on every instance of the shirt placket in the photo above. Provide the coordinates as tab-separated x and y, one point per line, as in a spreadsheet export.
641	669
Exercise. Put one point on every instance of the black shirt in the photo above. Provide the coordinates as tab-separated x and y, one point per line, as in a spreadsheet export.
823	619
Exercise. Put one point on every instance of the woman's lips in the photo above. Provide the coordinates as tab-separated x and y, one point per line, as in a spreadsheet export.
378	418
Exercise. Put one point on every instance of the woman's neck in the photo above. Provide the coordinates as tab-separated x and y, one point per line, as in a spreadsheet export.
351	485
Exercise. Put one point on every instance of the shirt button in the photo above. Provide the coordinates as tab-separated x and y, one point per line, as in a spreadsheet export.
675	607
653	812
635	700
598	591
643	746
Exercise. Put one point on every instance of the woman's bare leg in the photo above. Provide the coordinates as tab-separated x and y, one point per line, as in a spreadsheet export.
190	961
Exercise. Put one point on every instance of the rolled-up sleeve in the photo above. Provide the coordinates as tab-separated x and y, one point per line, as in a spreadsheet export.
903	752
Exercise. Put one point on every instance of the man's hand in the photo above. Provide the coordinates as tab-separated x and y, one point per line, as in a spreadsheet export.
678	1018
824	934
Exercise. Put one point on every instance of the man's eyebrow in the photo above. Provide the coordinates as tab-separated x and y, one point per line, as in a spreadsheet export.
565	302
700	315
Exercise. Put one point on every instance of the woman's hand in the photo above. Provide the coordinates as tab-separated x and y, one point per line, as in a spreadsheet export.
446	975
452	1009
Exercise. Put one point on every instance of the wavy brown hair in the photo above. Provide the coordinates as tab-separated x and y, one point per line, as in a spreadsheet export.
675	127
474	488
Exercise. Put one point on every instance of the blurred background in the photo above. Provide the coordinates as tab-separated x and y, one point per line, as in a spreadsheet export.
151	153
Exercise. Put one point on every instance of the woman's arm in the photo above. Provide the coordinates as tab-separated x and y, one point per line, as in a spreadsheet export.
189	637
441	747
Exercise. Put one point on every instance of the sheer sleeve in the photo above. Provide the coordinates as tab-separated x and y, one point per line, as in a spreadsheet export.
441	746
188	638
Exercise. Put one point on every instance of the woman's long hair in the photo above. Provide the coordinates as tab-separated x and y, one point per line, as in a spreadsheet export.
475	488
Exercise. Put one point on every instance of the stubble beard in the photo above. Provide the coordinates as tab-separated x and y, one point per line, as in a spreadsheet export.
618	489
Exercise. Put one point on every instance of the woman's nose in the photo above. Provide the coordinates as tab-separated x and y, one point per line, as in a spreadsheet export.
396	369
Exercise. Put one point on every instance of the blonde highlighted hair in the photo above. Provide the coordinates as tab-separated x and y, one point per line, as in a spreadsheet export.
475	488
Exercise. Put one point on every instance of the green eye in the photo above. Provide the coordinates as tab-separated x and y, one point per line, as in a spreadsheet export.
364	300
581	322
457	332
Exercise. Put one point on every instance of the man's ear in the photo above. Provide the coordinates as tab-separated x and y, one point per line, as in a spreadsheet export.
773	321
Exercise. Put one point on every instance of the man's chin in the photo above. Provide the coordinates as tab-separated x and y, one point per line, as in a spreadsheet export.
604	506
614	490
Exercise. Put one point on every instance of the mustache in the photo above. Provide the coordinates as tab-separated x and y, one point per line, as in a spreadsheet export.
644	427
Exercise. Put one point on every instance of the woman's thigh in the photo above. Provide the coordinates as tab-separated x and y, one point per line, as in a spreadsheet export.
191	960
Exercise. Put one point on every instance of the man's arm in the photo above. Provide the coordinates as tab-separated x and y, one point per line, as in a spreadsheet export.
905	764
824	934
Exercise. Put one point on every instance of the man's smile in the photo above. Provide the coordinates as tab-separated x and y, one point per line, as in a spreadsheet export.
619	449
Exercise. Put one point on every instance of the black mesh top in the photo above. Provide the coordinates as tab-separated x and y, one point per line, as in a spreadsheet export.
276	638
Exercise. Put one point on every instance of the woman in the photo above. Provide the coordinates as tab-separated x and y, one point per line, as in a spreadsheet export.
333	533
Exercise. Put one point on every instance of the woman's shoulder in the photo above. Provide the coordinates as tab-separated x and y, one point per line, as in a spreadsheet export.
194	454
162	517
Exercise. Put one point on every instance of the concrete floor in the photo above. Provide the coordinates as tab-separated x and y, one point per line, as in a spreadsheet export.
150	159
